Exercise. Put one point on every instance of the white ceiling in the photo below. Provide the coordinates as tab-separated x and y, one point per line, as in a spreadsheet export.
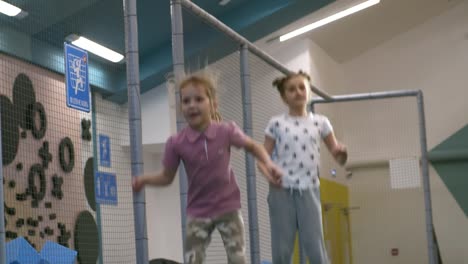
348	37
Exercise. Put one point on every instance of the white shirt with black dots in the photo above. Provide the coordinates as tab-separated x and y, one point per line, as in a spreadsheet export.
297	147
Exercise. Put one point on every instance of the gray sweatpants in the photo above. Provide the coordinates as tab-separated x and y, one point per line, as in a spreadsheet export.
294	210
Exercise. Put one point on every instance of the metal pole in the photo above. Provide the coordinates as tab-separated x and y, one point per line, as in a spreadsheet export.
365	96
134	122
249	160
312	108
433	254
2	208
179	72
243	41
95	169
431	245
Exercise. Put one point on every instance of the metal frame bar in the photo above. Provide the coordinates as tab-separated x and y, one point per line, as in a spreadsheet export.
249	160
207	17
178	65
431	246
2	208
134	122
95	169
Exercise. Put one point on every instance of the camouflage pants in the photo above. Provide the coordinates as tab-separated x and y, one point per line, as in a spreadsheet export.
199	230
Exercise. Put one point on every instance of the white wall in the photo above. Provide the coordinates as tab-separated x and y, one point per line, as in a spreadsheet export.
116	220
328	76
155	115
326	73
432	57
163	215
295	55
162	204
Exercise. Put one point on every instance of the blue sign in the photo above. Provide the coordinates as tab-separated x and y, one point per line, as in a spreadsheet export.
105	185
104	151
76	78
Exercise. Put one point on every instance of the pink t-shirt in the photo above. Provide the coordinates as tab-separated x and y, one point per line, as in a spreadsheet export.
212	186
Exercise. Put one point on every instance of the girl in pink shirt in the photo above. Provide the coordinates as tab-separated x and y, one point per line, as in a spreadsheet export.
213	194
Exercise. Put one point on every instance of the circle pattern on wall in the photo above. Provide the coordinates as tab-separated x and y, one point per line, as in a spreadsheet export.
66	147
10	131
86	238
34	110
23	97
89	183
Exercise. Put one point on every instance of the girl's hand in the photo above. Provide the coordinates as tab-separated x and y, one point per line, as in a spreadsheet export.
137	184
337	149
274	174
341	154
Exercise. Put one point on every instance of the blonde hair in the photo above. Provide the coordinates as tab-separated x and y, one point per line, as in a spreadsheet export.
205	81
280	82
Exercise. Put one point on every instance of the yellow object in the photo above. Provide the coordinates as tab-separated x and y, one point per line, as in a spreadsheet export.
336	223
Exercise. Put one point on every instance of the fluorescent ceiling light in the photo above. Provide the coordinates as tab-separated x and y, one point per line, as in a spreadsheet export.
9	9
329	19
95	48
224	2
